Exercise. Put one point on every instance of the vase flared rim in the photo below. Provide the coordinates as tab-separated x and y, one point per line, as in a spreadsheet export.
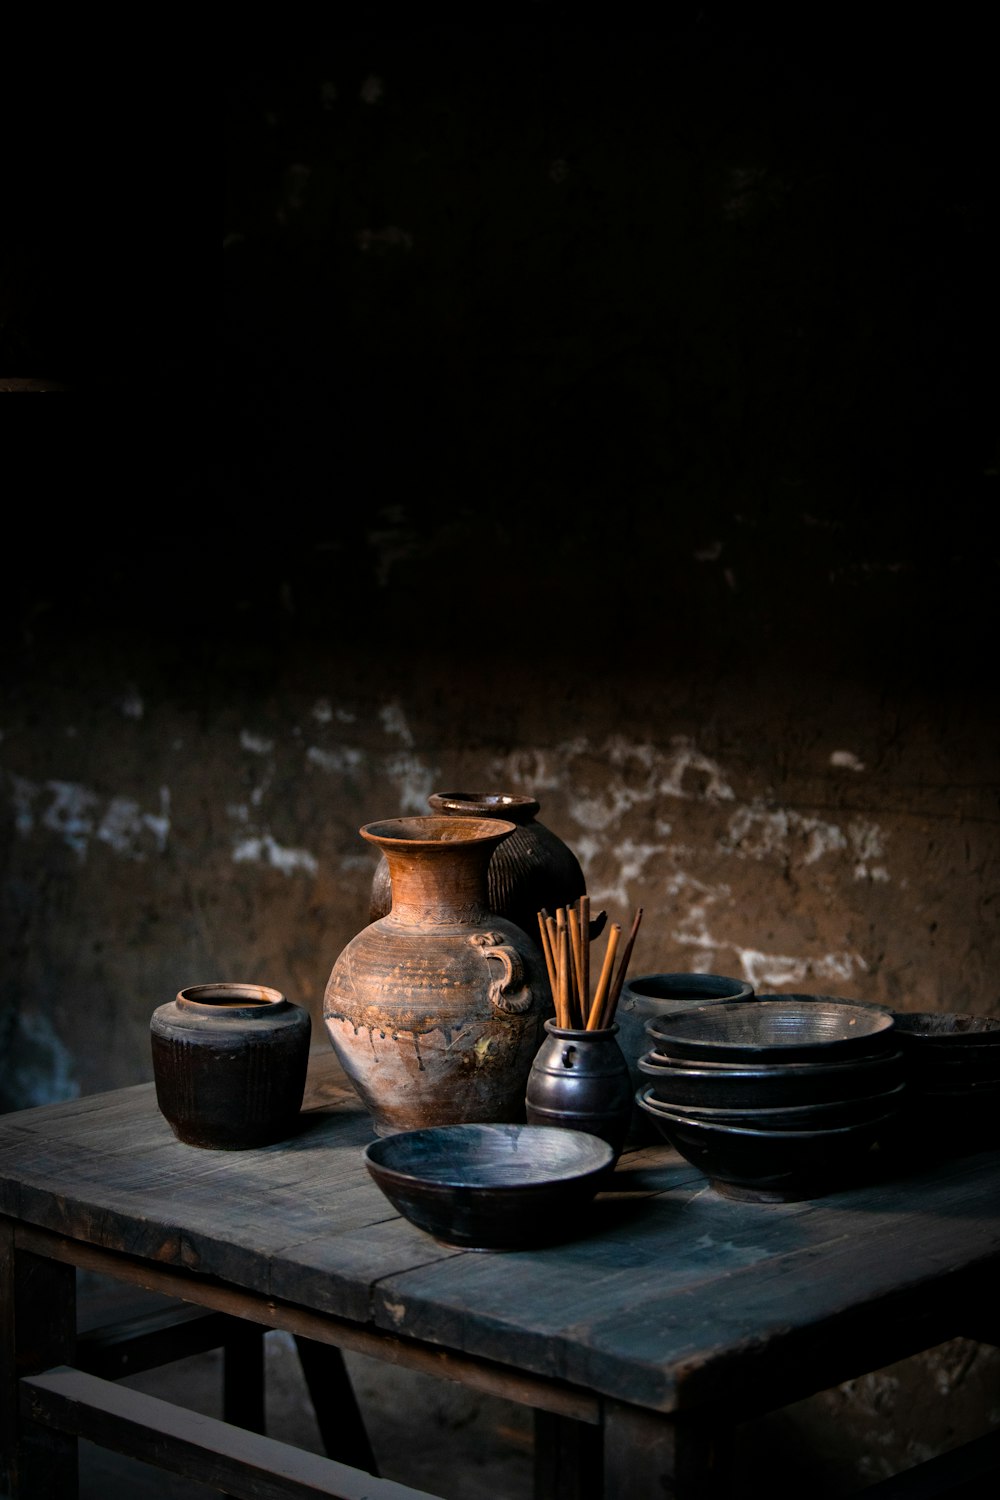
434	831
512	805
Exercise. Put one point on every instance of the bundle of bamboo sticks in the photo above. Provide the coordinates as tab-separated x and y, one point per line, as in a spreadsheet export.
566	945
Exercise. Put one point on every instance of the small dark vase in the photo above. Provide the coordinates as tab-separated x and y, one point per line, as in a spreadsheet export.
649	995
580	1080
531	869
229	1064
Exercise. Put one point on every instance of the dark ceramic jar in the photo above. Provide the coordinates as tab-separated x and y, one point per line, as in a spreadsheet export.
649	995
531	869
580	1081
229	1064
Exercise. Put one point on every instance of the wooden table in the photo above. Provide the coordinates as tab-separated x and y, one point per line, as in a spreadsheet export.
640	1344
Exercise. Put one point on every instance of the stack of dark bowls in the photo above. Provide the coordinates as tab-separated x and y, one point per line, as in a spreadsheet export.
953	1078
775	1098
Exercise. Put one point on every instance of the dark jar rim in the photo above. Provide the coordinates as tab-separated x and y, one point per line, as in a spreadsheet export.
231	998
580	1033
516	806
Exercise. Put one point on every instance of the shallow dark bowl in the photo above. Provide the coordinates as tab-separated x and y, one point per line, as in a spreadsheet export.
770	1086
491	1187
786	1117
778	1164
774	1028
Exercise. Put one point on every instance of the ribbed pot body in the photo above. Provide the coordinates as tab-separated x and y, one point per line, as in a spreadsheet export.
229	1065
531	869
436	1010
580	1080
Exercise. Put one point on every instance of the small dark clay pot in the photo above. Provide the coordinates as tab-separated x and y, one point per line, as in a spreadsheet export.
580	1080
229	1064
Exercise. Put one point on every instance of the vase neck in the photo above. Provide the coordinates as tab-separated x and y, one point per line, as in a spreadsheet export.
438	867
444	886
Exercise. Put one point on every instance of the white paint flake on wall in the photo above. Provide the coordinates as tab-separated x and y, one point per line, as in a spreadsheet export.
261	848
756	831
257	744
394	722
414	782
631	860
846	760
124	824
73	813
340	759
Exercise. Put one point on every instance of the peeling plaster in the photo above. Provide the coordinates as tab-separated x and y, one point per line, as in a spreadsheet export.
757	832
256	743
342	758
73	813
847	760
394	722
263	849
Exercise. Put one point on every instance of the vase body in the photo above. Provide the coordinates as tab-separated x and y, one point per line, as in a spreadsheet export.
649	995
530	869
580	1080
436	1010
229	1065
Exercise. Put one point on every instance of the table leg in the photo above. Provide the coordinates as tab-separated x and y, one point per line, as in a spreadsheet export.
567	1459
37	1330
665	1458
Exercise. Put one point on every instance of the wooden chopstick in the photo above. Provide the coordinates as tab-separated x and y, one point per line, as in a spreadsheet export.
585	965
578	994
550	962
619	980
594	1019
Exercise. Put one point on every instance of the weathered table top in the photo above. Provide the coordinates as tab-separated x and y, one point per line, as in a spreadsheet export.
673	1298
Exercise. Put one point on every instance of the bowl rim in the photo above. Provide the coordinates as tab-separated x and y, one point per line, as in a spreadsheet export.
725	1072
602	1152
657	1106
880	1022
740	1132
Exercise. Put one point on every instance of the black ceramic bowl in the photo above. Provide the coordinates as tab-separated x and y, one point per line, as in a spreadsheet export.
491	1187
949	1031
769	1086
786	1117
774	1028
778	1165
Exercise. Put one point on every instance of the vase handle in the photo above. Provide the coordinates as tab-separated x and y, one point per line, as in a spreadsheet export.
508	990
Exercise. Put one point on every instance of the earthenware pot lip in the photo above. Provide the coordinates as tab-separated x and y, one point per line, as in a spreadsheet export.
232	998
435	831
515	806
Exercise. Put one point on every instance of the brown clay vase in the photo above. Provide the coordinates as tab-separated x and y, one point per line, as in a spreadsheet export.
437	1009
531	869
229	1064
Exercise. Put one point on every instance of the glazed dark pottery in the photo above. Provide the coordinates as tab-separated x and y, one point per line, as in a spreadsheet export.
580	1080
953	1071
436	1010
531	869
492	1187
650	995
774	1085
786	1117
774	1165
229	1065
951	1030
775	1029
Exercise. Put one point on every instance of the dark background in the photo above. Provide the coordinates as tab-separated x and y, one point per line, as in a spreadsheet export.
576	296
